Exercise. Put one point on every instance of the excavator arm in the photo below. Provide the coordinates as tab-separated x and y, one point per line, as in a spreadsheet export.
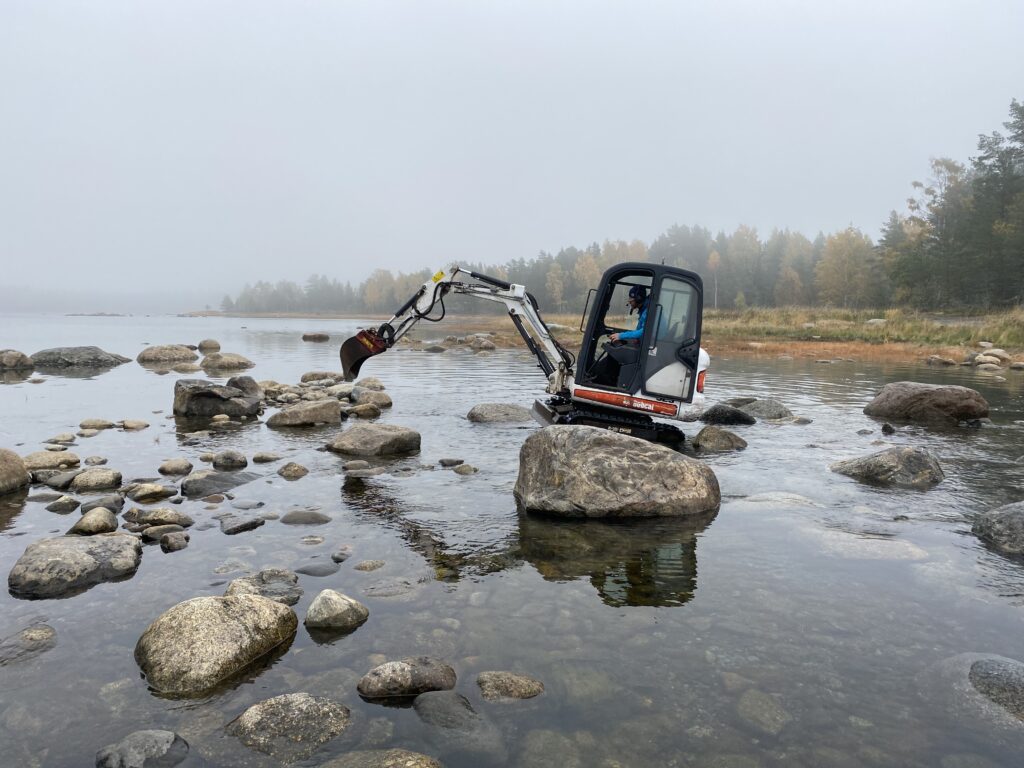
552	358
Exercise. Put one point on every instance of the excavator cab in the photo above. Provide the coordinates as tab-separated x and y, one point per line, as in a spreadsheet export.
660	354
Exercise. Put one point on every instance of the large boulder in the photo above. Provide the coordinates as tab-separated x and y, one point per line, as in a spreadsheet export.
376	440
1003	528
76	357
66	565
289	727
225	361
166	353
903	467
499	413
576	471
13	472
199	398
144	749
195	645
307	414
912	401
13	360
408	677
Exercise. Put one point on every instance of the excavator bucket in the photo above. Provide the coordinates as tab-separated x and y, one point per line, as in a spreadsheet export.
358	348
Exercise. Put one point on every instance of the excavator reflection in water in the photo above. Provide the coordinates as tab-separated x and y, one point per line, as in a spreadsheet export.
634	563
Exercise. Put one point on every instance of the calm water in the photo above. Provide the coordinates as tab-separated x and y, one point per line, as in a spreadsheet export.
817	602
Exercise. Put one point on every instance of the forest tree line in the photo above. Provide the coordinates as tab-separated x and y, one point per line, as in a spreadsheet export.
959	243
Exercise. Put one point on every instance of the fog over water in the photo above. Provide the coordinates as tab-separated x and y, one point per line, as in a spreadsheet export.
157	155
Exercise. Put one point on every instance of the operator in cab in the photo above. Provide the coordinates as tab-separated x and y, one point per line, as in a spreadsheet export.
637	301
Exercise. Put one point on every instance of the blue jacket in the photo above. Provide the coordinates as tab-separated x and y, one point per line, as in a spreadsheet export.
640	323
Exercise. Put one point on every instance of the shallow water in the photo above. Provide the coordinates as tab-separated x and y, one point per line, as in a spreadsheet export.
798	627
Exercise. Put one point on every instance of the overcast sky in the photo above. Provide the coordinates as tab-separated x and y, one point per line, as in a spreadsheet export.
182	148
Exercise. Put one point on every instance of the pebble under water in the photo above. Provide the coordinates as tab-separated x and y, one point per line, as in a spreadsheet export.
806	624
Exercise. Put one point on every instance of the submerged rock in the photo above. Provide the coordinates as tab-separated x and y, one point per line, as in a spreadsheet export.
383	758
65	565
27	644
458	727
766	408
277	584
376	440
307	414
305	517
316	336
206	482
290	727
499	413
144	749
981	692
495	686
201	642
576	471
1002	527
407	677
763	712
333	610
927	403
904	467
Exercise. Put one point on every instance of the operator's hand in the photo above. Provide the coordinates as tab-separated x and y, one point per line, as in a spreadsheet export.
614	337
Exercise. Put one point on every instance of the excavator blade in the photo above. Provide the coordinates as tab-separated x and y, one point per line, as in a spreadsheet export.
358	348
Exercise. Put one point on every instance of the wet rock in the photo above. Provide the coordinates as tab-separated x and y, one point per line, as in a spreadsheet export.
201	642
95	424
321	375
46	460
166	353
499	413
348	466
206	482
62	480
225	361
13	472
262	457
234	524
290	727
154	533
277	584
175	467
495	686
465	469
343	554
65	565
363	411
114	502
927	403
376	440
450	462
76	357
766	408
95	461
87	432
576	471
1001	681
459	728
95	521
63	437
133	425
226	460
305	517
370	382
186	368
307	414
204	399
27	644
292	471
888	429
383	758
364	396
763	712
333	610
713	439
407	677
209	345
144	749
436	348
982	692
319	570
174	541
316	336
721	413
13	360
96	479
63	505
543	748
1002	527
159	516
903	467
939	360
146	493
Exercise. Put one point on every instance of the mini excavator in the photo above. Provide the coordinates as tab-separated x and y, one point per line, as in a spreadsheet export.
635	386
